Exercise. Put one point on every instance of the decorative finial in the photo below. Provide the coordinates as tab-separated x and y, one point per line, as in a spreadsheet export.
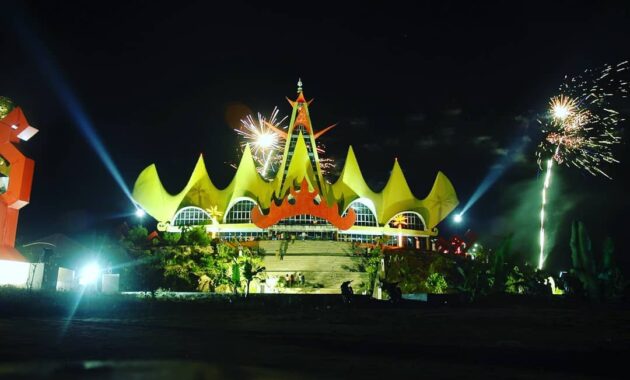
299	85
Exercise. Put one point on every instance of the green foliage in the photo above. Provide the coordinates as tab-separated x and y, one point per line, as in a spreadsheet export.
599	280
436	283
608	250
195	236
187	262
137	236
499	269
236	274
251	270
184	265
475	276
171	238
584	264
411	270
370	261
145	272
493	272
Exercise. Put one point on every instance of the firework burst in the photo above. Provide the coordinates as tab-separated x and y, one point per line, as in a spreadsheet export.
261	135
581	126
266	140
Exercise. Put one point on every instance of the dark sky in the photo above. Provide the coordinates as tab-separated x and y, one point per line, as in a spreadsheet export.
442	86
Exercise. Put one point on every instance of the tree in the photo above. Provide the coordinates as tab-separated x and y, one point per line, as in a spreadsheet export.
190	261
601	279
499	265
370	261
137	236
475	278
250	271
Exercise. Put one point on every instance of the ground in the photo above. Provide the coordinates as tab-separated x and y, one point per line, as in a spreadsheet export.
309	336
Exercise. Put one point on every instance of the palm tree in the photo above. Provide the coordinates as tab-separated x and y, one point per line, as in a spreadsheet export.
399	221
199	192
250	272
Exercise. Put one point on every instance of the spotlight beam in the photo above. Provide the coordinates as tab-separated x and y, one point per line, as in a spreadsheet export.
44	61
496	171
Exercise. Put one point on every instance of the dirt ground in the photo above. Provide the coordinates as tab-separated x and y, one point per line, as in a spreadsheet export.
309	337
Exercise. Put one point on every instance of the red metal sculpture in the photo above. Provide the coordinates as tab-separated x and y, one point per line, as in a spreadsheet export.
303	202
17	179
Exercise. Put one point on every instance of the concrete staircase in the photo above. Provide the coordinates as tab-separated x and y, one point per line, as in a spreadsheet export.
324	264
308	247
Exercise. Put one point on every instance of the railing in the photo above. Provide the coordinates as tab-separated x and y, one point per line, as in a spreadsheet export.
300	228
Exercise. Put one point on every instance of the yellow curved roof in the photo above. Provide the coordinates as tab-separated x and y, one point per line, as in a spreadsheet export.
395	197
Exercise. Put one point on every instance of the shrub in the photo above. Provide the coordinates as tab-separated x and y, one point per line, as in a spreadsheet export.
137	236
171	238
436	283
196	236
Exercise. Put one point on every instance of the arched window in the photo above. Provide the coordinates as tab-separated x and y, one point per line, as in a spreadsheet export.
191	216
412	221
364	215
240	212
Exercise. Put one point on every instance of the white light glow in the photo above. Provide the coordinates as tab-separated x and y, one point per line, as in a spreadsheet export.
140	213
89	274
458	218
14	273
266	140
561	112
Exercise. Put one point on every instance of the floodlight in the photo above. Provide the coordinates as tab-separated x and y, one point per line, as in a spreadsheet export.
89	274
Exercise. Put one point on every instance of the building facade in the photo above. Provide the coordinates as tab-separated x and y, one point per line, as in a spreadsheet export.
298	202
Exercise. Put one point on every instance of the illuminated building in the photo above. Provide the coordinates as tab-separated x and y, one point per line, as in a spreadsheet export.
298	201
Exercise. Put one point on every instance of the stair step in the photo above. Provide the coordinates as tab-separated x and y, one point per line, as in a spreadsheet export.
322	262
306	246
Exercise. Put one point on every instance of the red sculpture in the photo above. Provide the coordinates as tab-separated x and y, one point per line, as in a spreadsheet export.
303	202
17	180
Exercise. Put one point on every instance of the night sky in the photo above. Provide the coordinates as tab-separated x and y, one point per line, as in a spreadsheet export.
442	86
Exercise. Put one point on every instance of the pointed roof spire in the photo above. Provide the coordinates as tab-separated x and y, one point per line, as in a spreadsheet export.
299	84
